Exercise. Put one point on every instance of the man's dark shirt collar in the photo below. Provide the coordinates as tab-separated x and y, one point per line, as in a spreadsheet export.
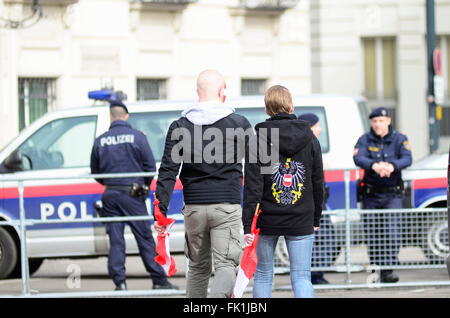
119	123
376	137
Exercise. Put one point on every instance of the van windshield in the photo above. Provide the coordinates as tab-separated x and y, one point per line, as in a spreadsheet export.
61	143
156	124
257	115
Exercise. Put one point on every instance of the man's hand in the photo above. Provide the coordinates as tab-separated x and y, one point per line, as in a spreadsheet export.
248	239
389	168
383	169
378	167
316	228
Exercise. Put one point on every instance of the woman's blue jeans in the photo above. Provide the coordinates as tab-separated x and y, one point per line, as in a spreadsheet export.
300	254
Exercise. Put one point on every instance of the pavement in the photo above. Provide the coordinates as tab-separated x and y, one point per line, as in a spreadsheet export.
90	275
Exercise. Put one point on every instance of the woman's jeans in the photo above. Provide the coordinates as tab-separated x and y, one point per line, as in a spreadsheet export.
300	254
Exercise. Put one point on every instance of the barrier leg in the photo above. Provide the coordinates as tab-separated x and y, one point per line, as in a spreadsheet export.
348	279
23	243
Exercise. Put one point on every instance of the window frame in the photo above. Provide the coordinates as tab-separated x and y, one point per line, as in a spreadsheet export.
263	81
24	98
162	89
380	99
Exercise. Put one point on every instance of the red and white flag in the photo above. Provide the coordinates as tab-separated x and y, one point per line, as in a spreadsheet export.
249	260
162	246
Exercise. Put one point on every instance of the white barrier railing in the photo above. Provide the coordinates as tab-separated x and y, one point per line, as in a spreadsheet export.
347	212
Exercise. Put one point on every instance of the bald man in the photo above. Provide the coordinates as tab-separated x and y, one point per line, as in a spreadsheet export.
211	175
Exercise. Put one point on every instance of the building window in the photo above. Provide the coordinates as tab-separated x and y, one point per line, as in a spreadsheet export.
380	76
37	96
148	89
443	43
253	86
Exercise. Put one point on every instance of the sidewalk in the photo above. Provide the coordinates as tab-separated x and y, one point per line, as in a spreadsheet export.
57	276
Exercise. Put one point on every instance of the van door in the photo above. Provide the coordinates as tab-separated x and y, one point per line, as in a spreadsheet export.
58	149
448	208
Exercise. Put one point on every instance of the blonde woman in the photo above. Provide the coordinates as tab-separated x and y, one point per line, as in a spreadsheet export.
290	196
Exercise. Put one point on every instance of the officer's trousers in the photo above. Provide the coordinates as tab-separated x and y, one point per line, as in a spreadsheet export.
118	203
325	250
212	233
383	230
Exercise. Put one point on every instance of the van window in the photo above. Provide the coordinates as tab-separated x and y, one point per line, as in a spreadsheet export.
257	115
155	125
62	143
363	111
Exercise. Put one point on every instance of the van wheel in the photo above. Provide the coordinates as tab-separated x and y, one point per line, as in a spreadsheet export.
8	253
436	244
33	266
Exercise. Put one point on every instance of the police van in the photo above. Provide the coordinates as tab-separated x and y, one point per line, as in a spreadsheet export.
58	146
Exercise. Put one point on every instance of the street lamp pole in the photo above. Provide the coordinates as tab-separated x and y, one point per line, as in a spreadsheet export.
431	45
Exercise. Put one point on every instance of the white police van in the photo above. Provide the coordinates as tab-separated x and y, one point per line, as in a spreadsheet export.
58	145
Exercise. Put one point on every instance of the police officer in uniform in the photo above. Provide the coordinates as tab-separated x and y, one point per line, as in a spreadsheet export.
325	249
382	153
119	150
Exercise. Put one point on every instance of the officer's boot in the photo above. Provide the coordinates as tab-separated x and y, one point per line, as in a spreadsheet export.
167	285
121	286
387	276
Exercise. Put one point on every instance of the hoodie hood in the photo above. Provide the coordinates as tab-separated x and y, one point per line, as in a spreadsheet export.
294	134
207	113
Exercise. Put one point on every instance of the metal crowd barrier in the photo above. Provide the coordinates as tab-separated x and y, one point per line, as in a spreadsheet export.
343	232
23	222
349	239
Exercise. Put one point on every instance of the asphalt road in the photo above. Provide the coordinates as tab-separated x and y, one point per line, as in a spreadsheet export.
90	275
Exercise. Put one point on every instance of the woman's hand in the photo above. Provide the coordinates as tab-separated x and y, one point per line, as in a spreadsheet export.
248	239
160	229
316	228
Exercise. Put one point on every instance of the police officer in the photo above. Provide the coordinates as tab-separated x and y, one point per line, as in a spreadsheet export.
325	249
382	153
119	150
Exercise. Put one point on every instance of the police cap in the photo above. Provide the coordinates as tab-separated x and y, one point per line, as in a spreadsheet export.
379	111
311	118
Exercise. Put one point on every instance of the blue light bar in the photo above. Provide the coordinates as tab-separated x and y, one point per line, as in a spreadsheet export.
104	94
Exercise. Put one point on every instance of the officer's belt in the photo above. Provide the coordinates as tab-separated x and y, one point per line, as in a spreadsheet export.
118	187
369	189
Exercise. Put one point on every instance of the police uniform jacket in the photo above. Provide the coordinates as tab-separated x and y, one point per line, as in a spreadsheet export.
393	148
122	149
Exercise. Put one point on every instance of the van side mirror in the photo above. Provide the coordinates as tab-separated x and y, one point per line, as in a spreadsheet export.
16	161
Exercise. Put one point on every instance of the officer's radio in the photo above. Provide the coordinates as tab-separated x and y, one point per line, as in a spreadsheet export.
141	191
98	206
360	190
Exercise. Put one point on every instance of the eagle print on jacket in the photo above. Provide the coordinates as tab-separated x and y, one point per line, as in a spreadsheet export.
287	181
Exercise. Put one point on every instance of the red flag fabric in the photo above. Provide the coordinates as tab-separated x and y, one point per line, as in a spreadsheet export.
162	245
249	260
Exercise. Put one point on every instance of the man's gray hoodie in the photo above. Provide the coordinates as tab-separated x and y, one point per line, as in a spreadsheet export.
211	160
